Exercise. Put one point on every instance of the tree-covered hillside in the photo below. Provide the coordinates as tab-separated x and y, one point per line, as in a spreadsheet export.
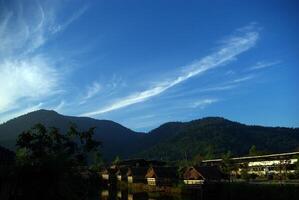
116	139
211	137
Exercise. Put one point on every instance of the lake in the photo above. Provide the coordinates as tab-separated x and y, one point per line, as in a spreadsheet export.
224	192
126	195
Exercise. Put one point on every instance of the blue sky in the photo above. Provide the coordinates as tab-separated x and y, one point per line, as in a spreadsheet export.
143	63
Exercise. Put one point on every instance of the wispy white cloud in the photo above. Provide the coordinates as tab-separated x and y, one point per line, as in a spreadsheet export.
218	88
60	27
202	103
59	107
27	78
241	41
263	64
21	33
27	75
242	79
92	91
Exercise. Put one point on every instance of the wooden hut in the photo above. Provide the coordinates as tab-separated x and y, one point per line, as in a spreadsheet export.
136	174
161	176
108	174
104	174
197	175
121	174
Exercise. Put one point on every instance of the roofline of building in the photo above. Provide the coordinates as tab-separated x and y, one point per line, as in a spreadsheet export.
255	157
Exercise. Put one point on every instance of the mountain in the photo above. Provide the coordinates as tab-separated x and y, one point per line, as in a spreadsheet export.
116	139
209	137
212	136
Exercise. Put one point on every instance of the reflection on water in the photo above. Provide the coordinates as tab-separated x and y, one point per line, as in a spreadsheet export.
217	192
126	195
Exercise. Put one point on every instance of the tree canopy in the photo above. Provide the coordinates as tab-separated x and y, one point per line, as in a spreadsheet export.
56	164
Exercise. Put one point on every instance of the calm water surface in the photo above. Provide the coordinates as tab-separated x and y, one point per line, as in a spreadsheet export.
125	195
225	192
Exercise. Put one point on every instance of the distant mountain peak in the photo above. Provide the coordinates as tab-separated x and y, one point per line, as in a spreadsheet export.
214	118
44	111
113	135
214	121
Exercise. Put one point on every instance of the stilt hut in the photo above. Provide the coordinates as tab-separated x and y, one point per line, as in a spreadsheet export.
161	176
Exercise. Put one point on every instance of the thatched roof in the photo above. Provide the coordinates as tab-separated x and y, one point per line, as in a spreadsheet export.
108	170
122	171
137	171
162	172
203	172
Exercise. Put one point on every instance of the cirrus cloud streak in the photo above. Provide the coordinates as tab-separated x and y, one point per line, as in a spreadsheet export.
243	40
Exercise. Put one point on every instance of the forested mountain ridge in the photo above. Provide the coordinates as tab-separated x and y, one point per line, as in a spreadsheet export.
209	137
112	135
212	136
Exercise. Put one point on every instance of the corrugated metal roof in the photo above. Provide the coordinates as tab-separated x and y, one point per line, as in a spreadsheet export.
255	157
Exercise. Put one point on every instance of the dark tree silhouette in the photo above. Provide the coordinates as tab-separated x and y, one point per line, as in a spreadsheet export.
52	165
227	164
